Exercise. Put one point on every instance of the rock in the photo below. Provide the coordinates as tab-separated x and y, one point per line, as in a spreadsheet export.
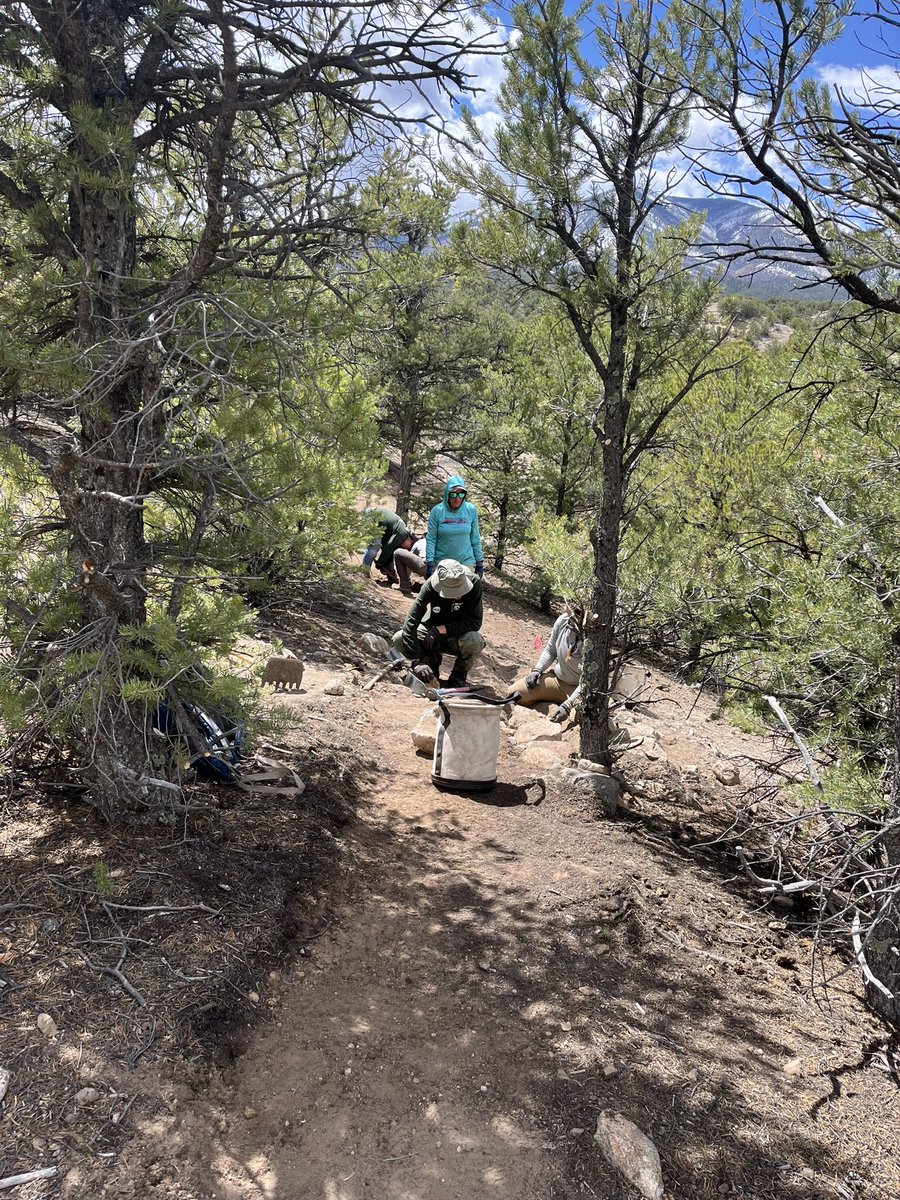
5	1077
423	735
334	687
87	1095
603	789
542	756
377	646
532	734
727	773
253	997
249	1112
46	1024
631	1152
633	683
520	717
576	1131
655	752
610	1071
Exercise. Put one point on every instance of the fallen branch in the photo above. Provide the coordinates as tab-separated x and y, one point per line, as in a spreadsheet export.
798	741
15	1180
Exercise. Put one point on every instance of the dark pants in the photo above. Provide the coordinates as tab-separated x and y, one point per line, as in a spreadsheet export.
467	648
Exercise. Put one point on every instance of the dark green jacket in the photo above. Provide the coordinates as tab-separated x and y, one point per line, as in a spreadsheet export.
430	608
394	535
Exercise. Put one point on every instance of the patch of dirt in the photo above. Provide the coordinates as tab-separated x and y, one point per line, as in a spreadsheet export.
449	988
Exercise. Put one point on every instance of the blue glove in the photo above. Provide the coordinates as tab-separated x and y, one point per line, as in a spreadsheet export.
479	570
429	569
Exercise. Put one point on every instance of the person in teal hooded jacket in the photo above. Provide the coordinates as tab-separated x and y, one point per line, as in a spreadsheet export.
453	530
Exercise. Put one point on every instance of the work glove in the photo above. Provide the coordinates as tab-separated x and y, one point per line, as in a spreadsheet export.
429	569
426	640
560	715
532	679
479	570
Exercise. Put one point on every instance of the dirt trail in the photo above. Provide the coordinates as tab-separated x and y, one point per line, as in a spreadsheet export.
464	982
489	973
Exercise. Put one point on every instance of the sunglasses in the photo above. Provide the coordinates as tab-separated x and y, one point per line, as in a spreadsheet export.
457	495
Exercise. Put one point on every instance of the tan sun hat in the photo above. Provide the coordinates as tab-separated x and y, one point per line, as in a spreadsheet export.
451	579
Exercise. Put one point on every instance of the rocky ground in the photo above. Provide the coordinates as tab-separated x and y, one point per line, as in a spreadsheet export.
378	989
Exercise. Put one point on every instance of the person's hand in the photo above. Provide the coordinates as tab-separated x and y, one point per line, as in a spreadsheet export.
426	640
532	679
479	570
560	715
429	569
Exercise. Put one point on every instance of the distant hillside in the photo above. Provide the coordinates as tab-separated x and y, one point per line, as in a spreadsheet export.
731	226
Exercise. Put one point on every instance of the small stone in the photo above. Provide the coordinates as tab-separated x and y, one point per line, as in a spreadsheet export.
50	925
727	773
46	1024
577	1131
5	1077
693	1075
249	1112
334	687
609	1071
377	646
483	1088
87	1095
631	1152
253	997
601	948
723	1189
793	1067
349	1071
585	764
415	1079
654	752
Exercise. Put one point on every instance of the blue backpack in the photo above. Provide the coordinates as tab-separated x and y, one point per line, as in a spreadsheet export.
221	741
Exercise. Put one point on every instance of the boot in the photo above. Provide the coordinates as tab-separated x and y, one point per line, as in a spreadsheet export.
459	673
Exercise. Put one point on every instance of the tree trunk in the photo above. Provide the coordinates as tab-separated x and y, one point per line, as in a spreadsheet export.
101	483
606	536
409	436
883	951
502	518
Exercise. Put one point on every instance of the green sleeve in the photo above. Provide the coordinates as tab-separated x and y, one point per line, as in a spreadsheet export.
414	619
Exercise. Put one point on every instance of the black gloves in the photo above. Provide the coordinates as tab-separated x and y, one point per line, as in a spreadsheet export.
479	570
532	679
426	640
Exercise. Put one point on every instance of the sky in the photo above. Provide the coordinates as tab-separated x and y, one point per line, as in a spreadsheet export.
859	64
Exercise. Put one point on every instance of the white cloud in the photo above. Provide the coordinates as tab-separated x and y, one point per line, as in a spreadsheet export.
863	87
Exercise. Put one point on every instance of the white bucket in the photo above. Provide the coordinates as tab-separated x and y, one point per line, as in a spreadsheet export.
466	744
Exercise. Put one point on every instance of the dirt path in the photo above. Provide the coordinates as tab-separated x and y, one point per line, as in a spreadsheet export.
490	973
379	991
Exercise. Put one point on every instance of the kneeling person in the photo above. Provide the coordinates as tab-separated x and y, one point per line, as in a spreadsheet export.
563	650
445	618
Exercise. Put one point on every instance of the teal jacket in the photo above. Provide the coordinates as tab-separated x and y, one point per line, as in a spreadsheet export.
453	534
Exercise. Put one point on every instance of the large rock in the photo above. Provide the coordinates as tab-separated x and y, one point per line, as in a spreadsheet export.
375	645
633	683
540	755
534	734
631	1152
423	734
602	790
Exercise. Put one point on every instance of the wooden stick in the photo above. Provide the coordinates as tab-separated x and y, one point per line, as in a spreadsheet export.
798	741
14	1180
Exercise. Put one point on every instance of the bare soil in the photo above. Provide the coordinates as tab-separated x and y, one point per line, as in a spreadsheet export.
386	991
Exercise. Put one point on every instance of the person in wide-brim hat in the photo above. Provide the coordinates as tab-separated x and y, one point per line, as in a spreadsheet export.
445	618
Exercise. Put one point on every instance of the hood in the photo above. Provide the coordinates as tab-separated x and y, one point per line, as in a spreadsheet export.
455	481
